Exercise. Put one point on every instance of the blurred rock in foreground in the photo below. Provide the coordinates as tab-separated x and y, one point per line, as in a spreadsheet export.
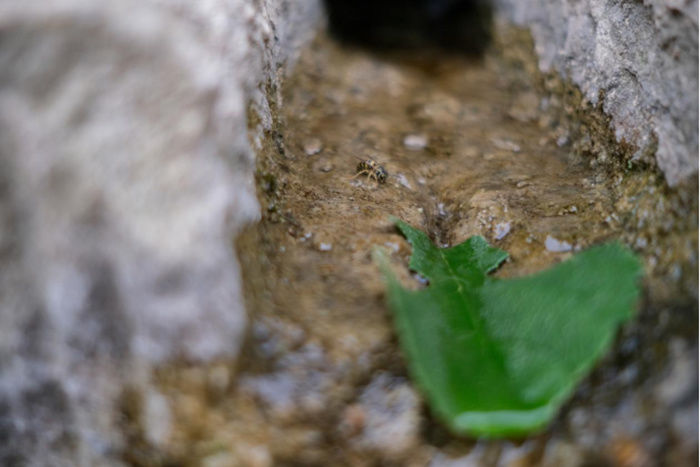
124	174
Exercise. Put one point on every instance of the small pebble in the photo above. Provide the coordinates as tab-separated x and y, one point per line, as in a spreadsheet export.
403	181
415	142
420	278
568	210
322	165
394	246
502	229
325	247
505	145
641	242
556	246
313	146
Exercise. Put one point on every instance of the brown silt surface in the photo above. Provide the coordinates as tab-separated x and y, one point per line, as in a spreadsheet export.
469	147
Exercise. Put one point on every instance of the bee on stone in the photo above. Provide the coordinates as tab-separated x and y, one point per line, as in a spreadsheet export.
372	169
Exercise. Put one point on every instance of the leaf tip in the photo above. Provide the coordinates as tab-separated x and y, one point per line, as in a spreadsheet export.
403	227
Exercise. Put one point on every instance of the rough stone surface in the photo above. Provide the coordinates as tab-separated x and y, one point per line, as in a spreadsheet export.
392	416
124	173
643	57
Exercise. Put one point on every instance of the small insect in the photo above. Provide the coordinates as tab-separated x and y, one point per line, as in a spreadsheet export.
372	169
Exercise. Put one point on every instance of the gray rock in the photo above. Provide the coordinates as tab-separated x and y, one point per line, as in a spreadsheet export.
642	54
392	417
556	246
125	172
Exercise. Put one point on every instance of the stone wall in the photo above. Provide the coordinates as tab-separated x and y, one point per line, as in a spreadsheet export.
640	57
125	172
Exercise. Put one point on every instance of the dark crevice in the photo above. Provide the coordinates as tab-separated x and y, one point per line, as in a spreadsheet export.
462	26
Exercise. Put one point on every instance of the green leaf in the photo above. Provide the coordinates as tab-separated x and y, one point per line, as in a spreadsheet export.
499	357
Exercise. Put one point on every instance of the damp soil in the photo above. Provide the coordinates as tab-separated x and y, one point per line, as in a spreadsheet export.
471	147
